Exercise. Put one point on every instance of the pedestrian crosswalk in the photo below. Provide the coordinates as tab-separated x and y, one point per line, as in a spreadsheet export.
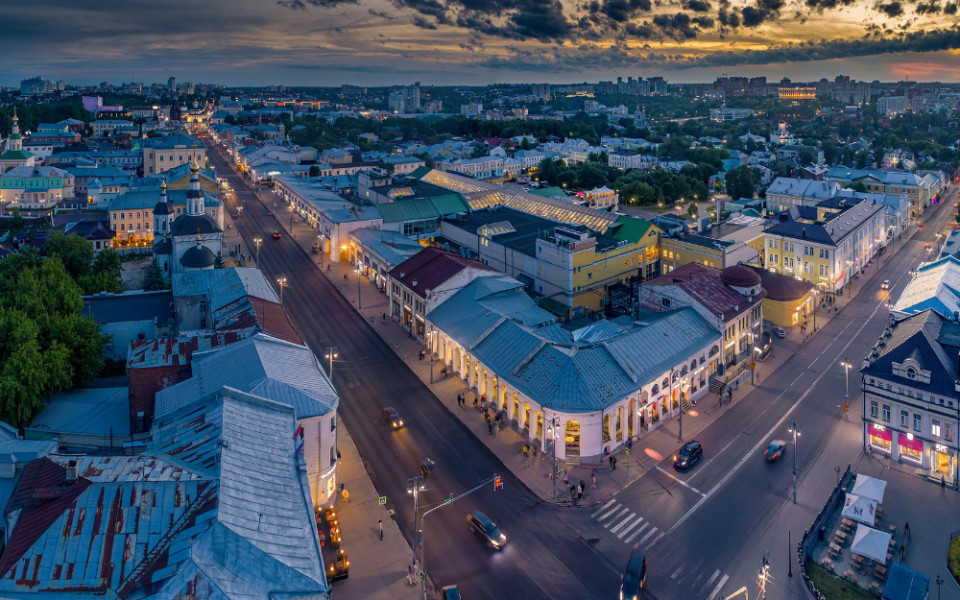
635	531
628	526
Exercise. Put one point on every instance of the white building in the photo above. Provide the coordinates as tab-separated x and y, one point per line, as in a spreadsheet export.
911	395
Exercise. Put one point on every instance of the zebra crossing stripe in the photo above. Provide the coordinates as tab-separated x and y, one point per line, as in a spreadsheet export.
636	533
649	533
623	522
715	575
602	508
619	513
631	526
719	587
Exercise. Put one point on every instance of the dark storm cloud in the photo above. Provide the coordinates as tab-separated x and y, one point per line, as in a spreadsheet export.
541	20
932	7
302	4
620	11
697	5
891	9
430	8
951	8
422	23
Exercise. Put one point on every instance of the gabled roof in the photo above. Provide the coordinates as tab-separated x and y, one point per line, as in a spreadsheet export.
936	285
430	268
219	489
919	337
705	285
264	366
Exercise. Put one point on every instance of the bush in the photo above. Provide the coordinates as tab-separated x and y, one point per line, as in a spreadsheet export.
953	558
833	587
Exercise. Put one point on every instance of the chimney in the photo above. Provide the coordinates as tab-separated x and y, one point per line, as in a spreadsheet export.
71	471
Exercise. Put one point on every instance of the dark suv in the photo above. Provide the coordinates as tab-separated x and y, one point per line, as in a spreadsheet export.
688	456
481	525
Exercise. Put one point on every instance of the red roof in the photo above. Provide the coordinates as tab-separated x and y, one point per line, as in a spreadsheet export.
704	285
431	267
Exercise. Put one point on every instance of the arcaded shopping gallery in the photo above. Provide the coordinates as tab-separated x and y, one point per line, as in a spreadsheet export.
587	390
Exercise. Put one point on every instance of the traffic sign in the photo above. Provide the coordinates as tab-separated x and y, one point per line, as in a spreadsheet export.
423	576
383	500
627	450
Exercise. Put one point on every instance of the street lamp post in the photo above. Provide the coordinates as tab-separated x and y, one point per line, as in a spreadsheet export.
846	396
359	301
939	582
257	241
331	355
796	434
282	282
415	485
556	462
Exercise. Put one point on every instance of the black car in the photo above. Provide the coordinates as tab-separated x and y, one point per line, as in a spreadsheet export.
633	577
481	525
392	417
276	235
688	456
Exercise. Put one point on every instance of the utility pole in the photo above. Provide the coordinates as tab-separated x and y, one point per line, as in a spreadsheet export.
415	485
846	396
556	462
359	302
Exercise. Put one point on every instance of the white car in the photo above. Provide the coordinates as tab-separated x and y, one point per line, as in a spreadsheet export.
779	332
885	285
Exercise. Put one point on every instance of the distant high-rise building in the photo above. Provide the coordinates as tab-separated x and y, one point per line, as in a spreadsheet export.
404	99
658	86
172	84
541	90
36	85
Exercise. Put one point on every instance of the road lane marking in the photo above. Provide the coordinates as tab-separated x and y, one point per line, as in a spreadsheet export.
632	525
796	380
623	522
602	508
680	481
715	575
776	426
612	511
675	573
636	533
657	539
719	587
649	533
815	360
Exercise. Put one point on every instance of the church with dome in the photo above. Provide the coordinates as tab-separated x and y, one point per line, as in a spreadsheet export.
14	155
190	242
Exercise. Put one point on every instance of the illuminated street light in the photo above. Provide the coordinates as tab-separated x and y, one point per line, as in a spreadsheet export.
256	242
282	282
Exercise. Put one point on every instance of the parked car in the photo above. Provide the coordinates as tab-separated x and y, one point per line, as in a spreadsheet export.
774	450
885	285
483	527
779	332
631	582
689	455
392	417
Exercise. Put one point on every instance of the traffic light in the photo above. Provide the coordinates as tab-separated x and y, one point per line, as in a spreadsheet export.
497	482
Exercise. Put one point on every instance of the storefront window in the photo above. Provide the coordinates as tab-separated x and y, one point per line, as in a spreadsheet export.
911	454
606	428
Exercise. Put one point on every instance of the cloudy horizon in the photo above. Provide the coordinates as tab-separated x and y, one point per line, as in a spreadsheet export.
477	42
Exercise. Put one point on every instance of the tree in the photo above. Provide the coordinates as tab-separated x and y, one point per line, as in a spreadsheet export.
153	277
858	186
740	182
74	252
314	171
218	261
46	346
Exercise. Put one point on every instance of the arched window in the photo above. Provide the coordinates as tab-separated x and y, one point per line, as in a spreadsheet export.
655	390
714	350
683	371
911	373
666	382
693	364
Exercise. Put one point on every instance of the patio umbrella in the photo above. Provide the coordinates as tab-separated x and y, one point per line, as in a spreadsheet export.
870	543
868	487
859	508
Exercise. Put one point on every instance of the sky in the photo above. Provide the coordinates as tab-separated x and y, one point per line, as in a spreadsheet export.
475	42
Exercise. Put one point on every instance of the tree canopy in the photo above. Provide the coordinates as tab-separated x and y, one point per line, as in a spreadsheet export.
46	346
100	274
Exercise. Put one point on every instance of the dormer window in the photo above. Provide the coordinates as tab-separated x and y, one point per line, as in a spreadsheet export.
911	373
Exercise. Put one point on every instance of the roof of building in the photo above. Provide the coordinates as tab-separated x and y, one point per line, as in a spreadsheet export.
632	229
803	188
706	285
430	268
198	257
354	214
831	232
193	225
28	171
163	246
93	411
141	199
843	173
936	285
264	366
170	142
129	306
781	288
918	337
392	247
89	230
212	495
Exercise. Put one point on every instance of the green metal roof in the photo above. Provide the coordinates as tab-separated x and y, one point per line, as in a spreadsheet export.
449	204
16	155
420	172
631	229
414	209
550	192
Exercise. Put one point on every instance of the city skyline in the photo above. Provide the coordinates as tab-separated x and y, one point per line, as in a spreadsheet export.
380	42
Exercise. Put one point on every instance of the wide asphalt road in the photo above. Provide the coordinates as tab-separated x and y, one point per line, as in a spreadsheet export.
706	515
543	557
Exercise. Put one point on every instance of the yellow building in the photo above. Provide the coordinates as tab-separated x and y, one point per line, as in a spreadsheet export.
788	301
825	245
163	154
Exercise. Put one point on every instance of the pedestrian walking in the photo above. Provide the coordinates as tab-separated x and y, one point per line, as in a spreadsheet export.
475	400
346	495
410	578
593	480
380	528
490	426
580	490
573	494
943	483
383	317
526	451
613	463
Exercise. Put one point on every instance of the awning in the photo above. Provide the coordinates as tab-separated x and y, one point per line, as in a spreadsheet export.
868	487
859	509
870	543
915	444
880	432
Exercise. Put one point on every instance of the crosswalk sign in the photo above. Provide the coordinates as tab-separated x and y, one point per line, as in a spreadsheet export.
383	500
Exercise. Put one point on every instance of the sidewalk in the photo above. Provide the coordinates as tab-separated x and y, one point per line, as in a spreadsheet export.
378	568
